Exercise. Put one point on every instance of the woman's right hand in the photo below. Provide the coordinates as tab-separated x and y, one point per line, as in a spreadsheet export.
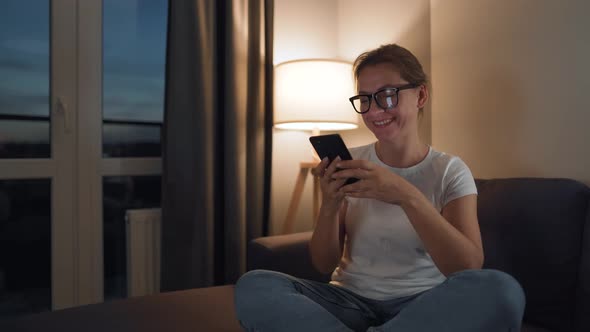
327	241
331	197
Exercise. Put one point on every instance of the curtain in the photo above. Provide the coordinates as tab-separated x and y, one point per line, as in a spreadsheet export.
216	139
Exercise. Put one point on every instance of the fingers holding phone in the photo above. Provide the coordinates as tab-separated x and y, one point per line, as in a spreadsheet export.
329	186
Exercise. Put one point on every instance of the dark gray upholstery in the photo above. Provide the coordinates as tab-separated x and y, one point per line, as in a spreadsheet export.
533	229
538	230
284	253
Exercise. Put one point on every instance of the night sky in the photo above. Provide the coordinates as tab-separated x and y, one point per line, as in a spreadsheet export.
134	41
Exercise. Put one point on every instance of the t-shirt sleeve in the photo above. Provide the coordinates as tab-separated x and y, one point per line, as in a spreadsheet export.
458	181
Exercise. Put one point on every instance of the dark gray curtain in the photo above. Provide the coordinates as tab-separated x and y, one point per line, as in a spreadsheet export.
216	139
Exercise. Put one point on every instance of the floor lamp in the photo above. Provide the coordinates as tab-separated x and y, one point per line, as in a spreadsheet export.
312	95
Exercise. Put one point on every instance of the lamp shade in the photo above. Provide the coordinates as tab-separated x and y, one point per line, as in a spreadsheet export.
313	94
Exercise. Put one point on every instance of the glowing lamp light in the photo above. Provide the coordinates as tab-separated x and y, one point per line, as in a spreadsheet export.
312	94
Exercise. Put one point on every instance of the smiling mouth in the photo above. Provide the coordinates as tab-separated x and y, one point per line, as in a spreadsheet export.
382	123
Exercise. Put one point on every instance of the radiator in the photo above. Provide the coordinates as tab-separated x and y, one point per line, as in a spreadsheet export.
142	228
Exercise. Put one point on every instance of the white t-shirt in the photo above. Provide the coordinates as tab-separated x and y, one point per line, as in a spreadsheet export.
383	256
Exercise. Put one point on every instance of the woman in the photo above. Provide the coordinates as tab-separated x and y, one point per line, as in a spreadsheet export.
403	243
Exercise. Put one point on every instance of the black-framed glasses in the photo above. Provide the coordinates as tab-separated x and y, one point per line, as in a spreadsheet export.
386	98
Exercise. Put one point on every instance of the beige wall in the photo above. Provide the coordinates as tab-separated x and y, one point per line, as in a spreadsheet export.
304	29
511	82
336	29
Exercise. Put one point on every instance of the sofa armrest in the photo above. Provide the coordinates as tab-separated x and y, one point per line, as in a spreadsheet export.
284	253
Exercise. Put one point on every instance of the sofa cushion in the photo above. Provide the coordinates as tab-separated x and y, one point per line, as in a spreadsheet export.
583	300
202	309
532	229
285	253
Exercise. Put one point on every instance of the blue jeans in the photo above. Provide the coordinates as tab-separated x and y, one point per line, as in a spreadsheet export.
471	300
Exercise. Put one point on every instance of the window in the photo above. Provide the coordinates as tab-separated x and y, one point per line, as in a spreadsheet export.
134	49
24	79
134	54
81	110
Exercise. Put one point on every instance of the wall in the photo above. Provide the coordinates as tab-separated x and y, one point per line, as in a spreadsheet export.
305	29
511	83
336	29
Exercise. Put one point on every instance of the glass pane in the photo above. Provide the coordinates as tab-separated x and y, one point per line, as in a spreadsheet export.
134	52
122	193
24	79
25	246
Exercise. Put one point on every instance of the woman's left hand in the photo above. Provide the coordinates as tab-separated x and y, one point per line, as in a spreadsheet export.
374	182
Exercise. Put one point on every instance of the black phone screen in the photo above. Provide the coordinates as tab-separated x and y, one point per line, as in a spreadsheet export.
331	146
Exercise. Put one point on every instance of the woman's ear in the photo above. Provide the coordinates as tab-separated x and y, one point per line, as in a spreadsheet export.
422	96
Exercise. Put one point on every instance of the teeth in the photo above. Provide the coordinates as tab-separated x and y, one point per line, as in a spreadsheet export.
382	122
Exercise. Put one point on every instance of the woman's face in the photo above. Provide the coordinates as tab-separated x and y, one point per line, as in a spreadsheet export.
399	122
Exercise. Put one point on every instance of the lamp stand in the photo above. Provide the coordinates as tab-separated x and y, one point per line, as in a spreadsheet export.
304	168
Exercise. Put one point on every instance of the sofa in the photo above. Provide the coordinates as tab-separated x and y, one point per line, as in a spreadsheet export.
537	230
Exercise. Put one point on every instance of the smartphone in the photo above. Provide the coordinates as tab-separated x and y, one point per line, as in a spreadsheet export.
331	146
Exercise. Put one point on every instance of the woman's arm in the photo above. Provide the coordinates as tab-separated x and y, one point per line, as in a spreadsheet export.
452	239
327	241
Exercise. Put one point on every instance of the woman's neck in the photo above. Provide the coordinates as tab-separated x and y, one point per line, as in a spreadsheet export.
401	155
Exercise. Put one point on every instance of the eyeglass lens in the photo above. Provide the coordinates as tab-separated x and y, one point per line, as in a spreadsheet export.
386	99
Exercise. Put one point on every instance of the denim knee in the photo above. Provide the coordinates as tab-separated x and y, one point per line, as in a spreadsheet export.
501	290
260	279
251	279
252	287
250	284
